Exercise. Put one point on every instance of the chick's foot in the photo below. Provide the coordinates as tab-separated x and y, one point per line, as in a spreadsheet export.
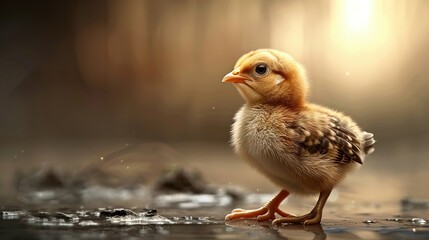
307	219
311	218
264	213
261	214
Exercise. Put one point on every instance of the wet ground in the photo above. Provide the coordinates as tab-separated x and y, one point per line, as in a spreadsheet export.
122	195
198	223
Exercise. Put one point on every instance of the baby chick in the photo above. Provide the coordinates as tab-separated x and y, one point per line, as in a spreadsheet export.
302	147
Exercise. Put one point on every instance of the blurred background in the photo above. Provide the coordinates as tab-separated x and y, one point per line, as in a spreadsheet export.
80	80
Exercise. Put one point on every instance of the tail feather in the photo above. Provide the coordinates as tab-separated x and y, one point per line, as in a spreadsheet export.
369	141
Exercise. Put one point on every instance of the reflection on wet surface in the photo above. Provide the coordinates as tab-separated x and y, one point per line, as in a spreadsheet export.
123	197
203	223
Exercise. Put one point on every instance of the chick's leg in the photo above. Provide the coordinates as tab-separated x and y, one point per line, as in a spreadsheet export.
313	217
264	213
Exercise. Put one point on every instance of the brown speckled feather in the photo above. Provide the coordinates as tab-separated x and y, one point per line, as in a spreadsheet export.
334	136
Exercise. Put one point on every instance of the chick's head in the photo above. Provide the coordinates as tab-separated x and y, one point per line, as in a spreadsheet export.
269	76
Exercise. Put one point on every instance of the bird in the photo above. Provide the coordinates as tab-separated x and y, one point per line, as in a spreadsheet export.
302	147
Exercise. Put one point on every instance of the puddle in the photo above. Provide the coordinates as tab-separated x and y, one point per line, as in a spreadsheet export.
199	214
96	202
201	222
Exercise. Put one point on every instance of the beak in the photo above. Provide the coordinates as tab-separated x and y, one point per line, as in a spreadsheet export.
234	77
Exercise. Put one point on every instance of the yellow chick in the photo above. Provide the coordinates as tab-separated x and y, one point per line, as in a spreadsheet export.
302	147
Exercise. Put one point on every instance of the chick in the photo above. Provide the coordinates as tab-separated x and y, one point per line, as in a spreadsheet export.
302	147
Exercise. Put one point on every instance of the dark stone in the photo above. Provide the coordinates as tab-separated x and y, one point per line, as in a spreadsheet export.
41	214
237	193
66	217
408	204
150	212
120	212
182	180
40	179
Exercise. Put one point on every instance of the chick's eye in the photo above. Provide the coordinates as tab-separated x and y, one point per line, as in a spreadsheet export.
261	69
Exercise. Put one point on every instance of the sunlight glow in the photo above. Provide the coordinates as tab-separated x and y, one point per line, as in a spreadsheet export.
357	15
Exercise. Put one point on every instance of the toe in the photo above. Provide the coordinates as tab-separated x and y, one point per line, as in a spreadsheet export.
286	220
265	217
285	214
293	220
236	215
246	214
238	210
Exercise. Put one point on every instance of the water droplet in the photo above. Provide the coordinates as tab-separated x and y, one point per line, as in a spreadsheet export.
418	220
101	158
128	167
213	108
368	221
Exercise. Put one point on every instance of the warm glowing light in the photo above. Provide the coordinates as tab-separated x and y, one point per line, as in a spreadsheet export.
357	15
353	27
